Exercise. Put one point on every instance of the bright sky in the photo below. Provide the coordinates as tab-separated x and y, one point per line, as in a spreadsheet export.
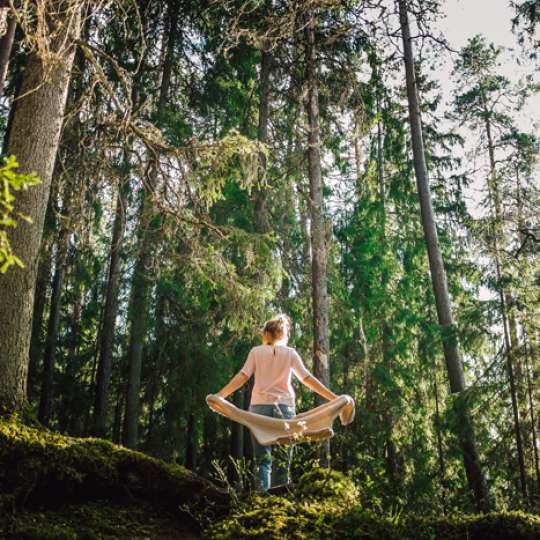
468	17
492	18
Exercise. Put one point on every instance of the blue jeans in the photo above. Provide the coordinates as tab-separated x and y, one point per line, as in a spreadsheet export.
263	454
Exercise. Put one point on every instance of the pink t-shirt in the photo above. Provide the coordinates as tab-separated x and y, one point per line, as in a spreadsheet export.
273	366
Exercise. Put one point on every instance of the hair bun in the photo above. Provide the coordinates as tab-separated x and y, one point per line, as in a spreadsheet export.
277	327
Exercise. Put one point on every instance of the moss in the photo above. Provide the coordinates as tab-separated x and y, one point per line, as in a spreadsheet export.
54	487
322	484
42	468
324	505
491	526
99	520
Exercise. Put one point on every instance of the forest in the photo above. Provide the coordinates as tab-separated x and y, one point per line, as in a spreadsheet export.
175	173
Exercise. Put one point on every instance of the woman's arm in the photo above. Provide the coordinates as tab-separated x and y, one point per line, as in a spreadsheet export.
234	384
317	386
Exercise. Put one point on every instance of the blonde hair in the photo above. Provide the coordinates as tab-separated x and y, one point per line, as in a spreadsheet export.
276	328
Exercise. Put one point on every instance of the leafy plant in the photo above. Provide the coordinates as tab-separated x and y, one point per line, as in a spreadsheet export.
11	181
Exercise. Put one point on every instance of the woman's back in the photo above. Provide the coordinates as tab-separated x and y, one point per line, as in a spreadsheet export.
272	366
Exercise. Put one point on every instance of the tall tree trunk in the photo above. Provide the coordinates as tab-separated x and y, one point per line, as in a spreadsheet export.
49	358
108	326
172	33
69	396
387	355
248	447
40	301
140	292
318	229
454	364
237	440
509	325
6	44
159	361
191	449
142	281
33	139
209	438
118	408
440	450
532	415
261	213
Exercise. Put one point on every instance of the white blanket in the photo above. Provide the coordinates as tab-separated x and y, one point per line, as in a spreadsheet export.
315	424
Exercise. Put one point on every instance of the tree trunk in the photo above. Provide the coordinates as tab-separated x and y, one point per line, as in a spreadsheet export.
49	358
40	301
140	290
440	448
33	139
454	365
533	419
159	360
191	455
172	14
69	396
509	326
118	408
237	440
140	293
248	447
209	438
261	213
108	327
6	44
318	233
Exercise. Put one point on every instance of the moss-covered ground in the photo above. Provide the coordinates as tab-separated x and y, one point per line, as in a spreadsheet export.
323	506
54	487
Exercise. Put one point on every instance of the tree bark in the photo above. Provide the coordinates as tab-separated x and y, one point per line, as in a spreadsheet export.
237	440
509	326
69	396
318	230
536	460
191	450
40	301
33	139
142	281
6	44
261	213
108	327
454	364
49	358
159	357
140	293
172	14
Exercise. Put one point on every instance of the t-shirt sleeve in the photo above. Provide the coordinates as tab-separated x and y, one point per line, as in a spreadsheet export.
298	367
249	365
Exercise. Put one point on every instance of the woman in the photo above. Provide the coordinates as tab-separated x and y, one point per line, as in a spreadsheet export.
273	362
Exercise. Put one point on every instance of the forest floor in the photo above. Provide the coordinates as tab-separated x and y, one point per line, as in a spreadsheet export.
99	520
54	487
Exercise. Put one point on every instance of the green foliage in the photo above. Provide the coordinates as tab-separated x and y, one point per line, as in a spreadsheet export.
11	181
234	157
